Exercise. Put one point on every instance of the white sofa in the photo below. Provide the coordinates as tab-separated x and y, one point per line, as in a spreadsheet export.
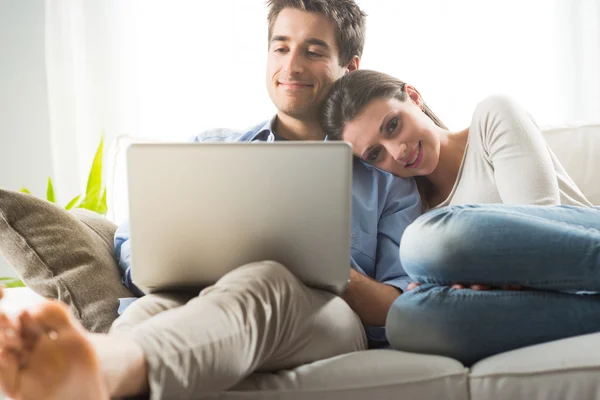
564	369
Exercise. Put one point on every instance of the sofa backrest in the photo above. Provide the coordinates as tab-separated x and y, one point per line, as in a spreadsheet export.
578	150
577	147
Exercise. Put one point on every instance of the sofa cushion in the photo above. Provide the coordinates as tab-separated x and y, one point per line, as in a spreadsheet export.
562	369
370	374
577	148
64	255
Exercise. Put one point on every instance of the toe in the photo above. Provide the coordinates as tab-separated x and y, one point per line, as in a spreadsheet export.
53	316
9	373
10	340
9	334
4	320
31	329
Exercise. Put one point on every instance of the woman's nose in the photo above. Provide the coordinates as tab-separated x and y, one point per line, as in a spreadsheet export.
399	152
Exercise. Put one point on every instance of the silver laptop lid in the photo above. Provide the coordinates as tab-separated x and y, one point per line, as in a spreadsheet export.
199	210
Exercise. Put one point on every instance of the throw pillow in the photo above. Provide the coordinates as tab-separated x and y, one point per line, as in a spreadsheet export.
64	255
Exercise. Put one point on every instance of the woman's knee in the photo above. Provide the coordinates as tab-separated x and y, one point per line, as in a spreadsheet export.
431	245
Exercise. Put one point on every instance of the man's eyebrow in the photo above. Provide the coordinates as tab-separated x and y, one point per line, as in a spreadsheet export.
312	41
318	42
279	38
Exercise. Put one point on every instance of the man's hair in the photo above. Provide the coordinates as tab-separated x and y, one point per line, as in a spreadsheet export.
349	21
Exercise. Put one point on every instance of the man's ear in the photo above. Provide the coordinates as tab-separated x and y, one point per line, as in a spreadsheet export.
353	64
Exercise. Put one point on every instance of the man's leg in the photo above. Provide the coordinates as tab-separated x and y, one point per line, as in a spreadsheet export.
257	317
148	306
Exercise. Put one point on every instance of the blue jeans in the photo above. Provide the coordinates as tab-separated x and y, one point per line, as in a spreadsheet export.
554	252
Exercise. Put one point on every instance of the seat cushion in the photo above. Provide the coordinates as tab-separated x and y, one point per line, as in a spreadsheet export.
370	374
562	369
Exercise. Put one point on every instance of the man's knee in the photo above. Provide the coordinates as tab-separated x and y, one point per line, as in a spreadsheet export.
258	273
146	307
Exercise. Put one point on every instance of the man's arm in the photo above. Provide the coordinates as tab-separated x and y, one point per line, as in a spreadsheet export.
375	284
369	299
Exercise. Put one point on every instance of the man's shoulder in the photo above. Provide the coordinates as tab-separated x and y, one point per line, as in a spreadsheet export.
383	187
366	174
228	135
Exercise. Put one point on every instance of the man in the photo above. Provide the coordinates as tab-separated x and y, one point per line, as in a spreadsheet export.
259	316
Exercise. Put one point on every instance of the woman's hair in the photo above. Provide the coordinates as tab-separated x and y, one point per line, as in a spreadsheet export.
350	94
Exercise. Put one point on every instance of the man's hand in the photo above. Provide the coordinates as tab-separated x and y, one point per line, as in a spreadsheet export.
369	299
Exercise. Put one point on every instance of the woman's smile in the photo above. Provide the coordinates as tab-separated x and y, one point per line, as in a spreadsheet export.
417	158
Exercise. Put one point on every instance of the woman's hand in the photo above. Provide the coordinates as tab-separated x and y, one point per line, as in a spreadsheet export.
413	285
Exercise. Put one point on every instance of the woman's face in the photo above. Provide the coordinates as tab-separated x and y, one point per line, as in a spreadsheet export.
395	136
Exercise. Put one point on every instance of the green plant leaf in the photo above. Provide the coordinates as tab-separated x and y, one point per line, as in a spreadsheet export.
103	207
73	202
50	192
95	194
25	190
11	282
94	183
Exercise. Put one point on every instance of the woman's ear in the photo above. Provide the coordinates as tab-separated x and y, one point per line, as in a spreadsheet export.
413	95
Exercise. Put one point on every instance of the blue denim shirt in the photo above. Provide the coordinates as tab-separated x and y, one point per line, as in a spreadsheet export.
382	207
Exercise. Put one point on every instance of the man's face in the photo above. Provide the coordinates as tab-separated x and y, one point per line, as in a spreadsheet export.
303	62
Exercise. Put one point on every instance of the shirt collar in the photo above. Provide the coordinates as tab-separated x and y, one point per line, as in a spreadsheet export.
267	133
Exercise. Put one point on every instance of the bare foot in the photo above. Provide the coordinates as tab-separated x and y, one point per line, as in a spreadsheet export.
46	355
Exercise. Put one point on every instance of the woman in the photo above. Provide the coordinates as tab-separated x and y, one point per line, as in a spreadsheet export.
545	237
501	158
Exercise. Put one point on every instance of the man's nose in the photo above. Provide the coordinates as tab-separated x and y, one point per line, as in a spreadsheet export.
293	65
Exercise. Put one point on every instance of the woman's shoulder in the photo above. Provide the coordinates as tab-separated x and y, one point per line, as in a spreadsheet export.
500	122
498	105
500	116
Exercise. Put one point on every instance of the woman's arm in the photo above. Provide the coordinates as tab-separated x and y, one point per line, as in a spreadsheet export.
523	168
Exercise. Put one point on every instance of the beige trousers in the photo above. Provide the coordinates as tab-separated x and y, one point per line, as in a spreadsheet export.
258	317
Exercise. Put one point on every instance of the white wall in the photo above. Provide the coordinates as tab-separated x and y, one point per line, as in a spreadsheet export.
24	122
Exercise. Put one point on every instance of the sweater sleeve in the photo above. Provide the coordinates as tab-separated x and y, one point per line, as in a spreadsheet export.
523	168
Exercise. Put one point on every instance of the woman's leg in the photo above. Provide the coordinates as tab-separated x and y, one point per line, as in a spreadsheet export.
469	325
552	248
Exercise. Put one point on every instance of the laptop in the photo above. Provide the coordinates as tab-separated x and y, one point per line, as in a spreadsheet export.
200	210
